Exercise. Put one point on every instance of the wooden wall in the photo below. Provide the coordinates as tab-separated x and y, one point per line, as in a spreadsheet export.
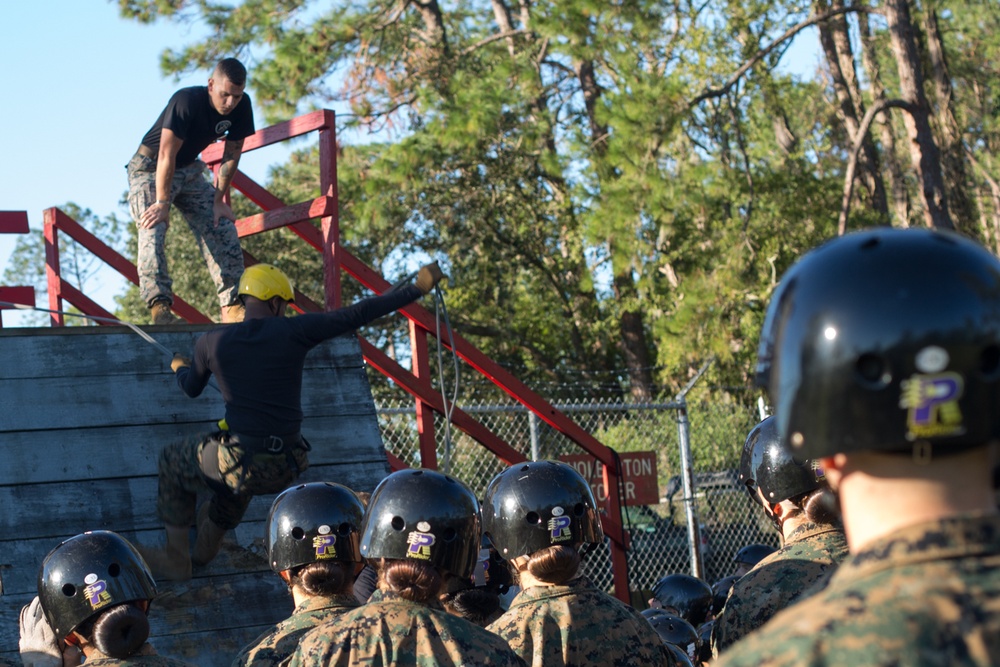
84	412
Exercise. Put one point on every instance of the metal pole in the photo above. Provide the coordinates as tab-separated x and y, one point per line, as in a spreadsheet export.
687	476
533	430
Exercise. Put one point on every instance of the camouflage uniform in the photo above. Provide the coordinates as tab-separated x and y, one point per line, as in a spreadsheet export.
145	657
181	477
927	594
811	553
278	643
194	196
577	624
392	631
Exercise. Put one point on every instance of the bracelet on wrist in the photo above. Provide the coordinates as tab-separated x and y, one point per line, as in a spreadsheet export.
162	201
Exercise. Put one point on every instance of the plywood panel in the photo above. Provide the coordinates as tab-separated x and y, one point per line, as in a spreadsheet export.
127	451
115	351
123	504
41	404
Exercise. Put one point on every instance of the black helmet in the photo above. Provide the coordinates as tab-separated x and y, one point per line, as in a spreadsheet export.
767	465
689	596
424	515
720	592
681	658
752	554
313	522
674	630
534	505
491	570
87	574
887	340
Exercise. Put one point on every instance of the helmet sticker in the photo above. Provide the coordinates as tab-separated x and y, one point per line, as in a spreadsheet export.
559	529
96	592
325	546
932	404
558	511
931	359
420	545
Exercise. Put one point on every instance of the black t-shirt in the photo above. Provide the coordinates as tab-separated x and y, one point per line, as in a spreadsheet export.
190	115
258	363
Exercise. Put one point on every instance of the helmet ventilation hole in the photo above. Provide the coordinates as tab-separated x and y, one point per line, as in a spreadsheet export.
114	570
525	467
418	472
871	371
398	523
579	509
532	518
69	590
298	533
344	529
449	534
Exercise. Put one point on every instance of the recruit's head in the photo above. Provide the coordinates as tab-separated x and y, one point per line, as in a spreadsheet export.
885	341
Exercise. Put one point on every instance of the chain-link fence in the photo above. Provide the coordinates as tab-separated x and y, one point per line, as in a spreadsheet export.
660	544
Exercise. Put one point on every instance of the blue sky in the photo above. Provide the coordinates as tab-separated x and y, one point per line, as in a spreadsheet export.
80	88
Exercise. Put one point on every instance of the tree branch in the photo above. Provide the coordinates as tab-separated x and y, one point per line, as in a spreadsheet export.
852	163
492	38
763	53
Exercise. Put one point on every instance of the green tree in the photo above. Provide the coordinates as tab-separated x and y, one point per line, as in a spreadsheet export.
615	186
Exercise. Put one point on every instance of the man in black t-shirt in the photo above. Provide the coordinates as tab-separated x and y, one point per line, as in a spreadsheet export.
166	171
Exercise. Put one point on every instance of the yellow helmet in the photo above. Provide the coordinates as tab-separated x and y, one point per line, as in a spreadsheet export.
264	281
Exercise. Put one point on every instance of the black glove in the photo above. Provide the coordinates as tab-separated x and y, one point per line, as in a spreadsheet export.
428	276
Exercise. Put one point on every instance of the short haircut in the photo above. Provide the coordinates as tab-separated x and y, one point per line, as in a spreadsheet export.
232	69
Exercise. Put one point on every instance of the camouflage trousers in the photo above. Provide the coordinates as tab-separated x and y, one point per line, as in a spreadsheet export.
182	476
194	196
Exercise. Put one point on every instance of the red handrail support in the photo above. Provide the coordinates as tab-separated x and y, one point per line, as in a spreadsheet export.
15	222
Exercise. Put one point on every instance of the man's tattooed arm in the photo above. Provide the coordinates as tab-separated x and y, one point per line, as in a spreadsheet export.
227	169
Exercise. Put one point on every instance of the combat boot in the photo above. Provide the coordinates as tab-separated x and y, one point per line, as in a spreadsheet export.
208	538
173	561
160	311
233	313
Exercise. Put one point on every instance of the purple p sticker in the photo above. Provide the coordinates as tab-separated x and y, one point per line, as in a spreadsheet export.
325	546
932	405
97	594
420	545
559	528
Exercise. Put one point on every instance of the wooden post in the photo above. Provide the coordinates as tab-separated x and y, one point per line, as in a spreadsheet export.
425	416
331	223
52	266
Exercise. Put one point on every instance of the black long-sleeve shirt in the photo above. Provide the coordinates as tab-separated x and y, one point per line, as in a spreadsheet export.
258	363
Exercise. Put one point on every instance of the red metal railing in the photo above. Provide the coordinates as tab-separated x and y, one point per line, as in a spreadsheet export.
15	222
326	239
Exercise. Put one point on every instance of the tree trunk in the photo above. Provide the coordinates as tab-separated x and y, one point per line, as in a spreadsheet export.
633	343
434	30
952	153
837	47
923	151
889	156
502	14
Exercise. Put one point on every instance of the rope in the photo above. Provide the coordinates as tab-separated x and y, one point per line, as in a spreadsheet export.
440	309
